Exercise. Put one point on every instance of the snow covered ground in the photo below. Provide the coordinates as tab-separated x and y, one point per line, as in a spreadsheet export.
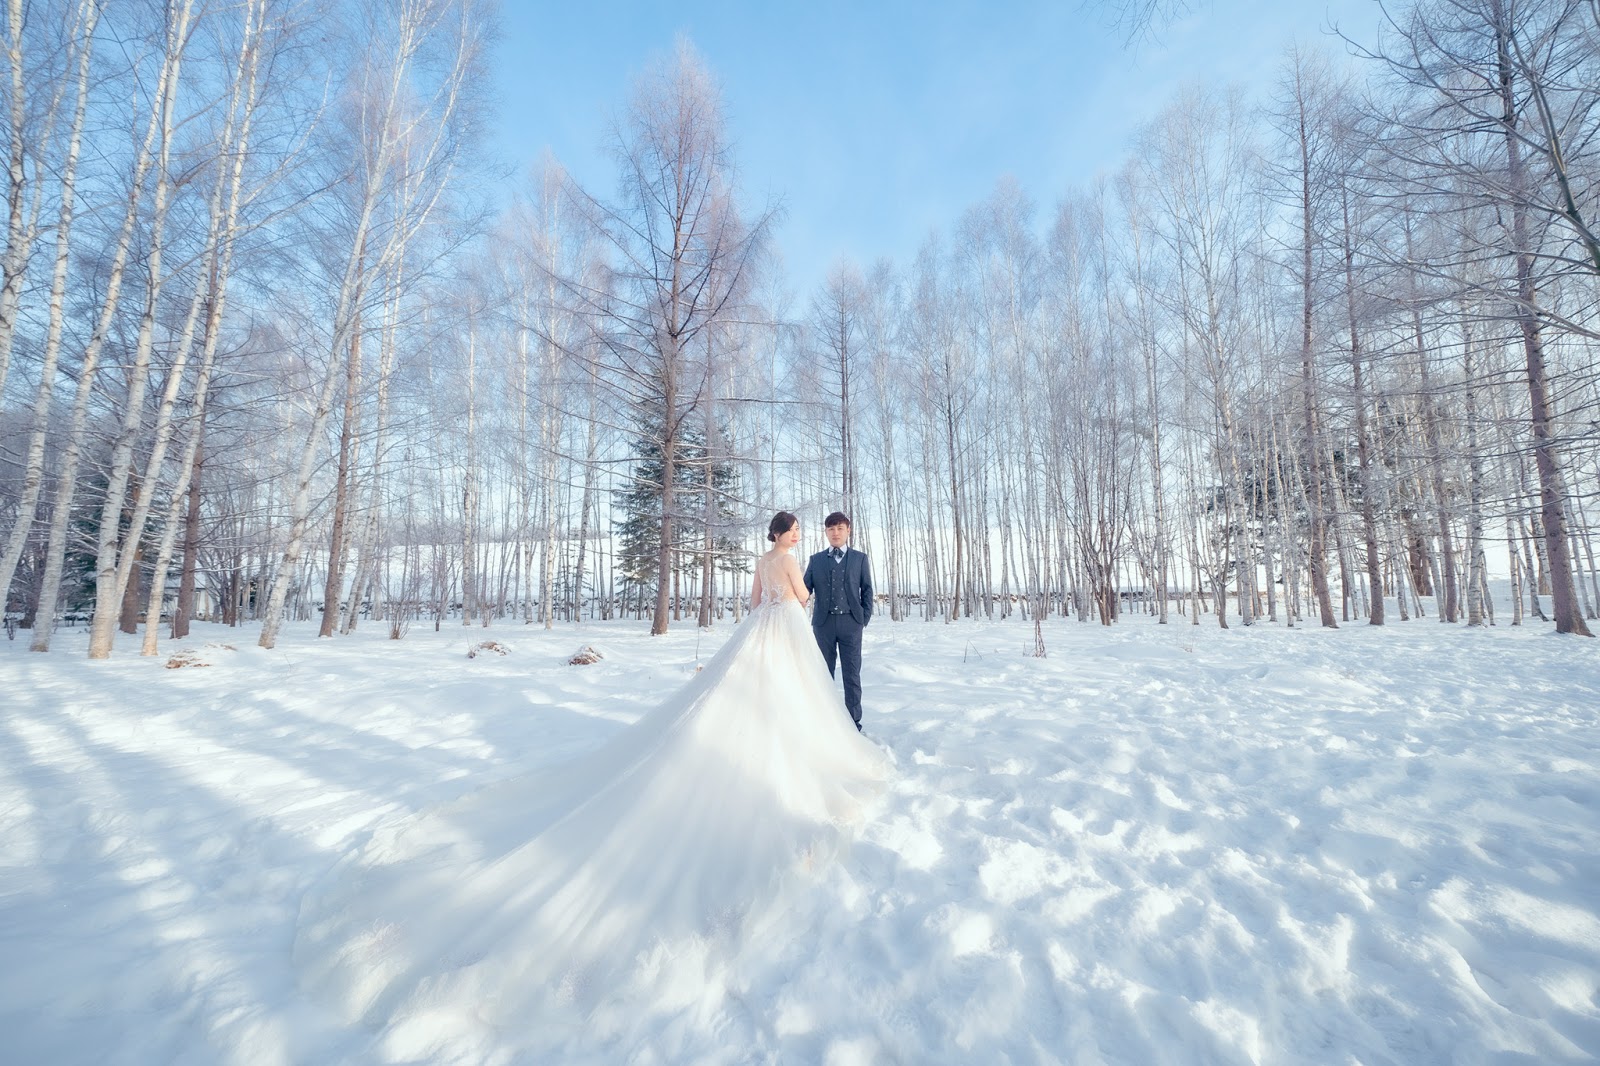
1158	845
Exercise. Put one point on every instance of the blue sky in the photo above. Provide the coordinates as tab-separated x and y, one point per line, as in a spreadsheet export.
873	123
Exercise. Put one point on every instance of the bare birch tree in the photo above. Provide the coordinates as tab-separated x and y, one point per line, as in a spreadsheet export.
81	53
1302	119
207	306
162	92
1513	85
680	257
834	324
408	136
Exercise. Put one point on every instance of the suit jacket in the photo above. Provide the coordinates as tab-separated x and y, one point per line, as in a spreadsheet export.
858	601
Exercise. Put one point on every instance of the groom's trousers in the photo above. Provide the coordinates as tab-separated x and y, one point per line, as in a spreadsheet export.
839	637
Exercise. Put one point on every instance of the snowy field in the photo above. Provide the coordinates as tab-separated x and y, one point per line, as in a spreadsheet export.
1158	845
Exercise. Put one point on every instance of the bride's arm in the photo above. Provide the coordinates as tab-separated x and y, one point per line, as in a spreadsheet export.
755	589
791	570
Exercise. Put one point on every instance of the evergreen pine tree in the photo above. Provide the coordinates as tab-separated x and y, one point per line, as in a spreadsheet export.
639	530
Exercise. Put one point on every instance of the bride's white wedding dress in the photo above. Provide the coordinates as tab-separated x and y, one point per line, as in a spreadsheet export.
554	884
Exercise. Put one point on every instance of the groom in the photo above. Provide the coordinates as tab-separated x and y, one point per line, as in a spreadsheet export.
840	582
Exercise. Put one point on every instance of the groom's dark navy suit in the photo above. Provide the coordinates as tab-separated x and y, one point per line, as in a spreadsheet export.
841	607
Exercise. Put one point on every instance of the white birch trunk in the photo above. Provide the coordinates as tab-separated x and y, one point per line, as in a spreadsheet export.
366	560
469	488
72	451
221	240
109	583
20	231
392	131
33	464
112	567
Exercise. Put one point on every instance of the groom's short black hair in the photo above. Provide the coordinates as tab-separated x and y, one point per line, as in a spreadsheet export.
837	518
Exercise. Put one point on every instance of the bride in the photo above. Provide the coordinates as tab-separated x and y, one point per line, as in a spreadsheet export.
559	884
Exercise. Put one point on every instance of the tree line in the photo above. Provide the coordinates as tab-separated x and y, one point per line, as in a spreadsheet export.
270	350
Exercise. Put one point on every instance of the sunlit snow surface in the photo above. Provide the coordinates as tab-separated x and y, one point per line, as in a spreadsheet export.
1157	845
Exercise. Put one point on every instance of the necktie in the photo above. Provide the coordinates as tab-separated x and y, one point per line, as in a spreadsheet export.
838	553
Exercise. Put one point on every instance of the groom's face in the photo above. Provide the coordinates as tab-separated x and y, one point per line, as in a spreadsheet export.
839	535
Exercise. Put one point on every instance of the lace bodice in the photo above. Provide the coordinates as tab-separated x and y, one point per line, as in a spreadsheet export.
775	588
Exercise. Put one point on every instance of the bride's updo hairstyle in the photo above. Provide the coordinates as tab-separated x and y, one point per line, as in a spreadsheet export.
781	523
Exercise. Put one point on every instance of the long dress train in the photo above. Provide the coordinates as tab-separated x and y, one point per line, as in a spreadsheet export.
552	885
